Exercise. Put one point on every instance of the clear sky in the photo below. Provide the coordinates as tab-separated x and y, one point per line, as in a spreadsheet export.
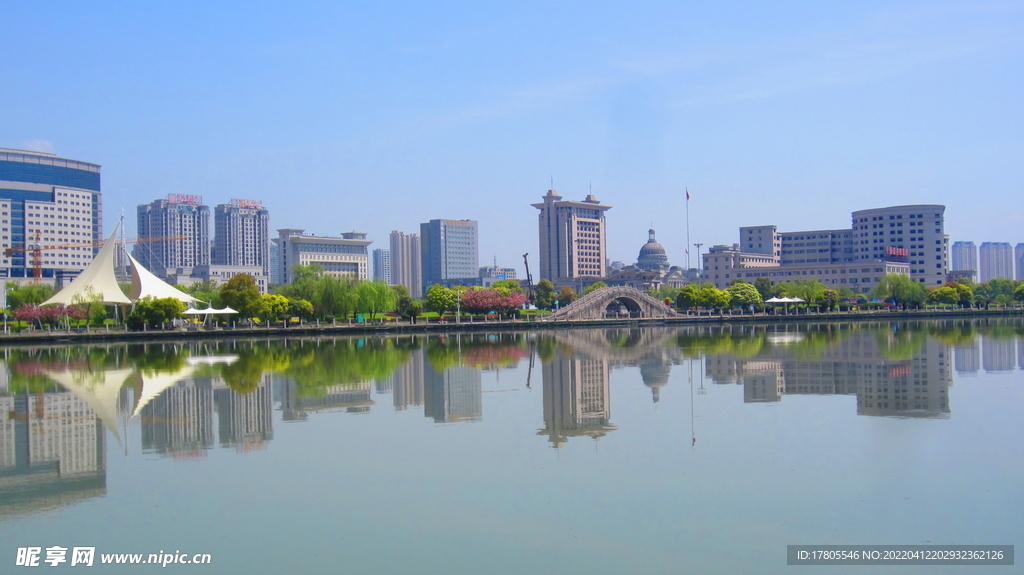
374	116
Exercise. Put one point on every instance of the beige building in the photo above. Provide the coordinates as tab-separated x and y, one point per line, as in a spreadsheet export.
406	262
908	240
346	256
573	241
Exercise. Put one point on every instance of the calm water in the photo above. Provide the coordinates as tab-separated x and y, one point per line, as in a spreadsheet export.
666	450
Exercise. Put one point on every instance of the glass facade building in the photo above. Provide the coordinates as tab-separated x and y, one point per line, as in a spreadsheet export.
53	202
449	250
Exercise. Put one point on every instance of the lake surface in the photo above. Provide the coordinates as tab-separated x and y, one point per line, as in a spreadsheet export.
658	450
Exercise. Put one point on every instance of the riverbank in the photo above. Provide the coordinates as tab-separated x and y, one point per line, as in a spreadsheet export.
45	337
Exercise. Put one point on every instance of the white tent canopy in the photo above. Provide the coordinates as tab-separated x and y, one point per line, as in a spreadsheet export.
208	311
98	278
100	390
154	383
145	284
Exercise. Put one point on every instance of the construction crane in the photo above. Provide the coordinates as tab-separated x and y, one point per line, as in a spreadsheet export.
37	249
529	278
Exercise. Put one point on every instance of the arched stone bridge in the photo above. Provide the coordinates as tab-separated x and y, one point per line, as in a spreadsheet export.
593	305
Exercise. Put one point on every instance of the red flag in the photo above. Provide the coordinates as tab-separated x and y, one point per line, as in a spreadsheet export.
687	195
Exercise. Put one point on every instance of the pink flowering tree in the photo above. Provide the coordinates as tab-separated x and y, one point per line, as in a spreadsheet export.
492	300
29	312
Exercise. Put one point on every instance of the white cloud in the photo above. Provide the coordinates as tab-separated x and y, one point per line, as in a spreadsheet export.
39	146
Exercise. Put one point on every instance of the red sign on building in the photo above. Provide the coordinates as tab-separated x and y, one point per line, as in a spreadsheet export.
184	199
252	204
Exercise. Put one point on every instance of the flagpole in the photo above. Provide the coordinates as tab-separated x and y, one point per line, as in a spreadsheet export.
687	229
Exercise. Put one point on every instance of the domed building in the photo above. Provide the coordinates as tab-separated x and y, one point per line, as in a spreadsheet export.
652	256
652	269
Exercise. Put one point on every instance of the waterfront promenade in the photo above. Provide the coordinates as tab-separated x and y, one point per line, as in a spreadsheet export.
119	333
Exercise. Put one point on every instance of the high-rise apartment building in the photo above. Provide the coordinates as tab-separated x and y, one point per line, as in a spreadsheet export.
343	257
1018	260
573	241
50	201
178	230
995	260
242	234
406	262
916	230
965	256
382	266
449	250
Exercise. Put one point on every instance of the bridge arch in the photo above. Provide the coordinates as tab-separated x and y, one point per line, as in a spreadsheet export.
594	304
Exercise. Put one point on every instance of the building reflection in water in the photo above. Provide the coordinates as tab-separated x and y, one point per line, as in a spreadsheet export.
52	450
967	357
246	420
406	383
452	395
346	397
997	354
576	396
856	365
179	421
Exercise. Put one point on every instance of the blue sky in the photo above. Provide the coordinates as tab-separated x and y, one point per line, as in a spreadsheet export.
378	116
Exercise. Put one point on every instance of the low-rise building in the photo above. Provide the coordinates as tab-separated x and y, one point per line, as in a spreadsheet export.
346	256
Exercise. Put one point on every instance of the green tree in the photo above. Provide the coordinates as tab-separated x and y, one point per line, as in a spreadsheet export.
512	285
711	297
274	307
409	308
688	296
440	299
298	307
375	297
764	287
400	290
944	295
27	294
544	295
831	299
566	296
154	312
92	302
1018	294
594	286
900	289
207	291
243	295
744	295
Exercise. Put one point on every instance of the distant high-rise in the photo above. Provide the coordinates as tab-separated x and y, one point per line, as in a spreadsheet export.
406	263
179	229
449	250
382	266
1018	260
242	234
965	256
572	238
995	260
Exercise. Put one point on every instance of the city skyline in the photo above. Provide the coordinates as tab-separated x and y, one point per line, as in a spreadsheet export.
767	114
